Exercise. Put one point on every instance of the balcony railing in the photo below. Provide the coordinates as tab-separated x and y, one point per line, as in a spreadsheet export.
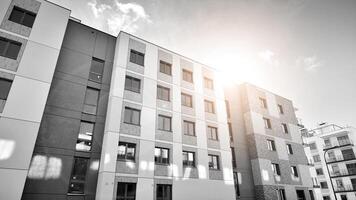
346	188
342	173
345	157
338	144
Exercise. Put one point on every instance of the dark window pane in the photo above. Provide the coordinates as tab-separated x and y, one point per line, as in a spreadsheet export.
96	70
3	46
76	187
16	15
137	57
91	96
29	20
13	50
5	86
79	168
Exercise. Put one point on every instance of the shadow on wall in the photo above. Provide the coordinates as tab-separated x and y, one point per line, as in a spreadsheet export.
6	148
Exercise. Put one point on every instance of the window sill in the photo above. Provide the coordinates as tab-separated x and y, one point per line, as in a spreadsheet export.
126	160
164	100
170	131
162	164
213	140
187	166
139	125
133	91
190	135
215	170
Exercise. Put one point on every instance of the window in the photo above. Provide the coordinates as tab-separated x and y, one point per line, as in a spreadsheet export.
22	16
126	191
280	109
208	83
137	57
300	195
77	178
132	116
282	194
187	100
343	197
227	105
187	76
189	128
164	192
233	156
267	123
285	128
126	151
163	93
9	48
230	131
343	140
85	136
188	159
133	84
5	86
353	182
236	183
351	168
209	106
91	101
326	198
339	183
294	171
96	70
275	169
271	145
212	133
316	158
289	149
263	102
323	185
312	146
348	154
164	123
214	162
161	156
311	194
319	171
165	68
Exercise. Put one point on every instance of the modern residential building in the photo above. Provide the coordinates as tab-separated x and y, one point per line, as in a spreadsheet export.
270	160
332	150
88	115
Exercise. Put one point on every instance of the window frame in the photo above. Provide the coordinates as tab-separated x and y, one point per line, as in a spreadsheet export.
85	134
167	191
271	145
276	169
129	84
294	170
8	42
188	163
184	97
92	72
89	105
164	117
280	109
160	91
285	128
24	13
131	116
211	133
187	73
188	123
7	91
289	149
80	180
134	57
126	186
267	123
164	66
211	158
263	103
209	106
159	159
208	83
125	156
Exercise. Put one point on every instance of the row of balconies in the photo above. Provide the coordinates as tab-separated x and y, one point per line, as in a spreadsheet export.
346	188
342	173
338	144
340	158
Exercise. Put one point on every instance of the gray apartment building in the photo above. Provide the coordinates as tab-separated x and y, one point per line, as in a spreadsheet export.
88	115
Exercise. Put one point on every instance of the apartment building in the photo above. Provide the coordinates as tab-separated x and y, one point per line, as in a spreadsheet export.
270	161
331	148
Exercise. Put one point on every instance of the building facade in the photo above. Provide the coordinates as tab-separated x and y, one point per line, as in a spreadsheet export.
331	149
265	137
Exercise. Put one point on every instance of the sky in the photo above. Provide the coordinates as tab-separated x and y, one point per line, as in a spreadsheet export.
304	50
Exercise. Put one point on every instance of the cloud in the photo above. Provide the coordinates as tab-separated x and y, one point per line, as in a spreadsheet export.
269	57
120	16
311	63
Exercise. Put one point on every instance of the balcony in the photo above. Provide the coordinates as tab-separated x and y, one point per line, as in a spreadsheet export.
346	188
339	144
343	173
343	158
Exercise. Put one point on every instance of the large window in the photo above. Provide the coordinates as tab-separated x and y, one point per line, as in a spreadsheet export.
85	136
163	93
132	116
189	128
187	100
126	151
165	68
294	171
77	178
22	16
208	83
164	192
5	86
9	48
132	84
91	101
126	191
263	102
275	169
271	145
137	57
289	149
161	155
164	123
96	70
267	123
187	76
212	133
214	162
284	128
188	159
209	106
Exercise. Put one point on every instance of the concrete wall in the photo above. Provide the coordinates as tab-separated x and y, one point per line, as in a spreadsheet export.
32	74
187	184
56	141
